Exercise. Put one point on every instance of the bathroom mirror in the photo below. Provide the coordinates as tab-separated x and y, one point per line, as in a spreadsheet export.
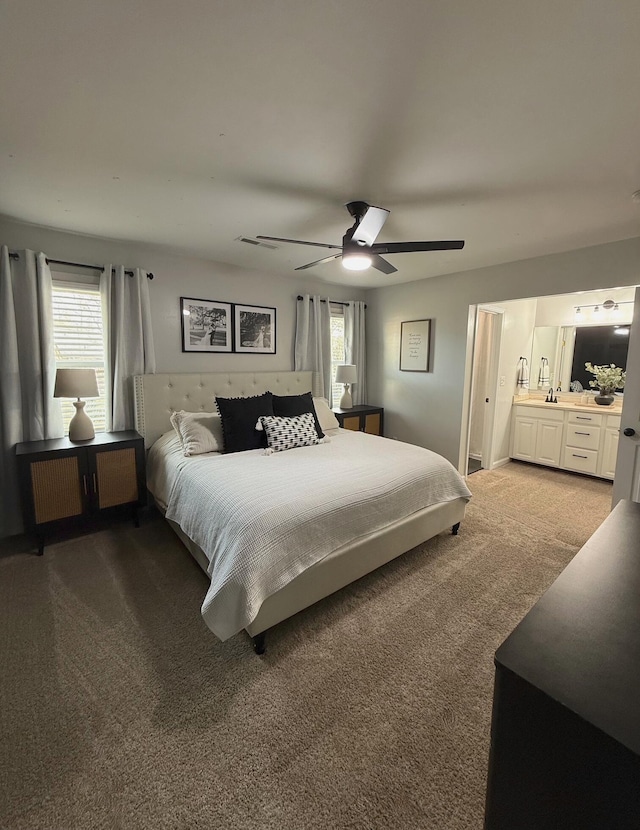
547	344
600	345
568	348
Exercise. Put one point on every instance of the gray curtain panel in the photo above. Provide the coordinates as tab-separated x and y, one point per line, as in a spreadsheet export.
355	347
129	350
28	410
313	343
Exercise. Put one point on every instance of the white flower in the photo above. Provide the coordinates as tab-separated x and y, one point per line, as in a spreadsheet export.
608	378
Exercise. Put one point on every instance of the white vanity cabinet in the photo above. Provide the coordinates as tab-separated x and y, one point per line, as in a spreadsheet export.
569	437
609	452
536	435
583	433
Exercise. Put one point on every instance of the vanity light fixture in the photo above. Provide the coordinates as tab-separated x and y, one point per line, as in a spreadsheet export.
608	305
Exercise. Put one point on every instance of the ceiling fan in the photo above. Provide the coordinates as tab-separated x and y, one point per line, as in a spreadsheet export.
359	250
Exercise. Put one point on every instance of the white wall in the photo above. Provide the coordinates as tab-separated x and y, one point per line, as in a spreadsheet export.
517	335
426	408
180	276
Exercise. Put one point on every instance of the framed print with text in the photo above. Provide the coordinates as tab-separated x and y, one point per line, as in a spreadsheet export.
414	345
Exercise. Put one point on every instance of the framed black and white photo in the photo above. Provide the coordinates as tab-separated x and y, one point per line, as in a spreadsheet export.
254	329
206	325
414	345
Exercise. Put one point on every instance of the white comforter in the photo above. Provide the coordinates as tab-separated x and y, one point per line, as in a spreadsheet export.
263	519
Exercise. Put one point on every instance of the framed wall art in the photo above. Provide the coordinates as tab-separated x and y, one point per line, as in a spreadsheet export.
207	325
414	345
254	329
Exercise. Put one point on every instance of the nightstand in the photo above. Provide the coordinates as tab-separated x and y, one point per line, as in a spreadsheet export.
361	418
64	482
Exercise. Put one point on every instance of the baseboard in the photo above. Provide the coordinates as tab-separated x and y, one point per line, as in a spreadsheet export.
500	463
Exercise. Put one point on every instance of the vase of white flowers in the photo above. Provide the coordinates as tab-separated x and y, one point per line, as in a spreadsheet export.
607	380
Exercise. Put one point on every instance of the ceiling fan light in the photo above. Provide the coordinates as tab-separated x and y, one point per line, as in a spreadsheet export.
356	262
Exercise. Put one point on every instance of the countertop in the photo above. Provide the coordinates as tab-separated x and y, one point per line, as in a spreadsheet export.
614	409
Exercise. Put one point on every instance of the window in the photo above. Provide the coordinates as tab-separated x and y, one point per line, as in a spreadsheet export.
78	341
337	349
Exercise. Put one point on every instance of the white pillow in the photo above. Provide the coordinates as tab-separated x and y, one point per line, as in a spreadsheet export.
198	432
286	433
326	417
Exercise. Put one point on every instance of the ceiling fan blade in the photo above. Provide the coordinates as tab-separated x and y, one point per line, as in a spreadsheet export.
299	242
382	265
318	261
408	247
370	225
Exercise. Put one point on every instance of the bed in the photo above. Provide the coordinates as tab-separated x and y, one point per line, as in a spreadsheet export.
360	501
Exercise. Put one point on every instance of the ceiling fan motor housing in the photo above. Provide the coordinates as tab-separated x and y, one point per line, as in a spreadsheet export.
357	210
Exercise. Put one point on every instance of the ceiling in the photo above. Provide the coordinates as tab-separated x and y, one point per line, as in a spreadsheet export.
513	126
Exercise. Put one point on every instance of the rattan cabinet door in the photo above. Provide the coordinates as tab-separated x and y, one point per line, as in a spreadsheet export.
372	423
115	480
57	488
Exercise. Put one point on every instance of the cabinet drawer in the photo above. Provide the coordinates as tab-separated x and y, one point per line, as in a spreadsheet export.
352	422
590	418
587	437
544	413
584	461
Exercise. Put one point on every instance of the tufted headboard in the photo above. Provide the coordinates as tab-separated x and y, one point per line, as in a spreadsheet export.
157	396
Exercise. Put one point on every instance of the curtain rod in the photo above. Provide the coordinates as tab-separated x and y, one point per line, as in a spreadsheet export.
16	255
335	302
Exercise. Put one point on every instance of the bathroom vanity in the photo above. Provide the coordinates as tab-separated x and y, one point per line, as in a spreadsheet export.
567	435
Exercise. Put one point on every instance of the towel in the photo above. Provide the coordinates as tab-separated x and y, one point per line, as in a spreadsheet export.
522	381
543	374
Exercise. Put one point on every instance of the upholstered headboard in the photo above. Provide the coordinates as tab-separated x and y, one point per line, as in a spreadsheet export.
157	396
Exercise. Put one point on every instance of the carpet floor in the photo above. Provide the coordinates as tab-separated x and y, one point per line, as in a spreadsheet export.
119	709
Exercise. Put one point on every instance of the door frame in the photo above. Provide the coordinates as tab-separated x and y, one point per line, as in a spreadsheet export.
626	481
494	362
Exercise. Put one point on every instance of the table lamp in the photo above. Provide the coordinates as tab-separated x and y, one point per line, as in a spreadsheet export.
346	374
77	383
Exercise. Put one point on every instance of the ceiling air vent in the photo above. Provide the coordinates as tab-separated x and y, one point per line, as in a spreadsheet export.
256	242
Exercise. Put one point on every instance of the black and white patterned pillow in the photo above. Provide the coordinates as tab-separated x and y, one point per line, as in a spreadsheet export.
286	433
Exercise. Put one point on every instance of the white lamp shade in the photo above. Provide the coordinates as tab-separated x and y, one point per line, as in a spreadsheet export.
76	383
346	373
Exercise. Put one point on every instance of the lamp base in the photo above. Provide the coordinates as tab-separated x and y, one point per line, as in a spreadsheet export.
346	402
81	425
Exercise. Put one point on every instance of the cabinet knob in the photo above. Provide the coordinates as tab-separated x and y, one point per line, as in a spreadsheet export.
629	431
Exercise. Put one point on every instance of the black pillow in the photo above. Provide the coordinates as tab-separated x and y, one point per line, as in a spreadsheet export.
239	417
288	406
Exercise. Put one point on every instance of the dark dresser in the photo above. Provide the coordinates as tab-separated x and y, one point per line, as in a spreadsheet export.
565	735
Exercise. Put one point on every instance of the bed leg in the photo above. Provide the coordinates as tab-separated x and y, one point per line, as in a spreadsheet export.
455	529
259	643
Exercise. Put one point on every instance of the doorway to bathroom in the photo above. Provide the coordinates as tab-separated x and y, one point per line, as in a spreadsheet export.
486	352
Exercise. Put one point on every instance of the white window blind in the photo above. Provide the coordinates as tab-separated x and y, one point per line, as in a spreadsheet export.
78	341
337	349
